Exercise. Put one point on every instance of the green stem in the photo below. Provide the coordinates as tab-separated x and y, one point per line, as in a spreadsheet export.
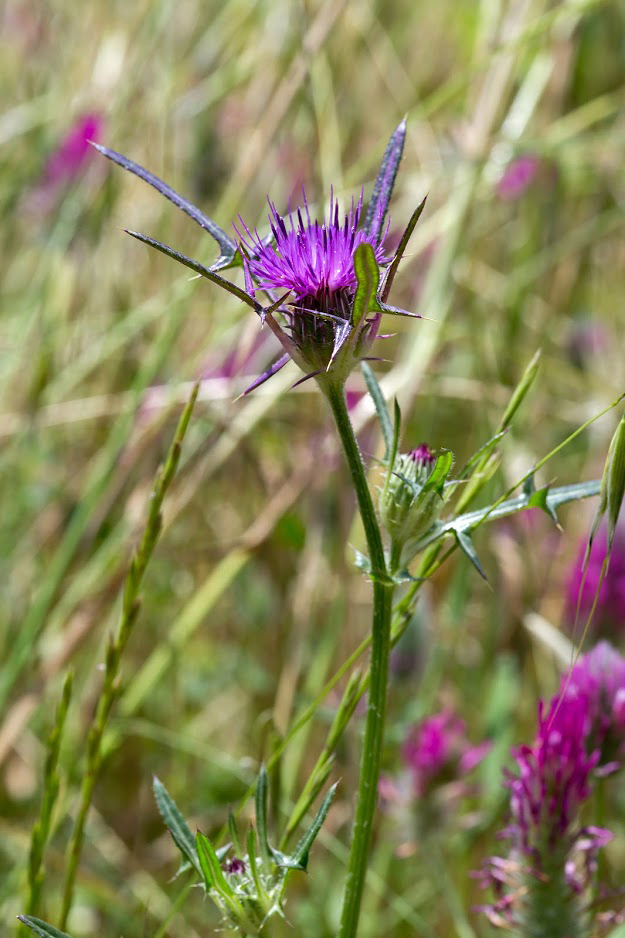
380	649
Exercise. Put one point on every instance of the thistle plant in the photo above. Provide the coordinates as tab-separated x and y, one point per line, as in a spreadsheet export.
321	286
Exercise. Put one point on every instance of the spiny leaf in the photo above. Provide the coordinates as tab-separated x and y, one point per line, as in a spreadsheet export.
539	498
399	253
42	928
383	415
300	855
198	268
226	244
384	183
466	546
176	824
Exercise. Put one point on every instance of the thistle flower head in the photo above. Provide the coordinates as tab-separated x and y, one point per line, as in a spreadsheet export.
313	260
411	499
332	274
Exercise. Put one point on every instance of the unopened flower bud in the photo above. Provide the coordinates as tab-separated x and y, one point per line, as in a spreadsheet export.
411	499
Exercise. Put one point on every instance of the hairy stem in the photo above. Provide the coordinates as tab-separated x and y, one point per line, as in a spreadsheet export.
380	649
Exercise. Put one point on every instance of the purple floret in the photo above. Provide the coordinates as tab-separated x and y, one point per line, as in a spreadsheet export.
314	260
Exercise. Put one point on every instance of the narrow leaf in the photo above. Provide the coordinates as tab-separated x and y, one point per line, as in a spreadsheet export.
385	180
466	546
211	867
176	824
42	928
519	393
251	859
261	815
227	246
481	455
300	854
381	409
198	268
616	478
401	247
205	866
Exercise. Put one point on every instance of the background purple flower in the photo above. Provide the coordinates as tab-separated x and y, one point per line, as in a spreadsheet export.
73	151
597	684
518	175
539	885
437	751
609	615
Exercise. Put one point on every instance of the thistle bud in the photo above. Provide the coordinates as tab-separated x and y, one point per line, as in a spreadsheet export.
411	499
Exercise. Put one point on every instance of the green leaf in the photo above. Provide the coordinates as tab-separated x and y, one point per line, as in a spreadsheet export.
539	498
205	865
481	455
381	409
396	432
176	824
384	183
261	815
466	546
211	867
299	857
441	470
42	928
251	859
519	393
368	276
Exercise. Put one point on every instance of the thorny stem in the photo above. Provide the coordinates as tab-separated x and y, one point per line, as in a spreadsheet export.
380	649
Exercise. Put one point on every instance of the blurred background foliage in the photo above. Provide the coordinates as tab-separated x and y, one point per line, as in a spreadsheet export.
516	131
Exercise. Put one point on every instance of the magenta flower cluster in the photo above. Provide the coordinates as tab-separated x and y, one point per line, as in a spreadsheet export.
438	750
581	735
597	685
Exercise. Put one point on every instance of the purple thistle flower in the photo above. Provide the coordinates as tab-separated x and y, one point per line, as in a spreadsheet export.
312	260
334	273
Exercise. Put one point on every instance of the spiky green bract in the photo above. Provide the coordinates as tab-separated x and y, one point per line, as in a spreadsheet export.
411	499
247	888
